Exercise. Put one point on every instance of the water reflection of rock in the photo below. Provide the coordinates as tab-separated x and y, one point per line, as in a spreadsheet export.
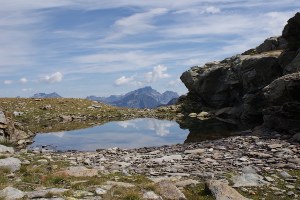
210	129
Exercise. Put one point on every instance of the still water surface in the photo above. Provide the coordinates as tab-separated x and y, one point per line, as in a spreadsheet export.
142	132
134	133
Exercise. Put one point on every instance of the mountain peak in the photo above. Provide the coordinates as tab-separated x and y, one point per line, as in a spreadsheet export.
44	95
145	97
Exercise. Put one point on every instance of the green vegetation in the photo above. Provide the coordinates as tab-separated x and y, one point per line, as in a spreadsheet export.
44	115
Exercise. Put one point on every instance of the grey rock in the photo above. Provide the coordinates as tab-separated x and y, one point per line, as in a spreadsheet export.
11	193
187	182
151	195
44	193
194	151
120	184
100	191
2	118
169	191
285	175
248	178
6	149
13	164
222	191
79	171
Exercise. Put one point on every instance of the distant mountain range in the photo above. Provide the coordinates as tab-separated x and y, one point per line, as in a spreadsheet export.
141	98
44	95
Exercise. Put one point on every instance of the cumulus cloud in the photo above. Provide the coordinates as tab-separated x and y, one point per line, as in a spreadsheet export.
23	80
53	78
8	82
158	72
123	80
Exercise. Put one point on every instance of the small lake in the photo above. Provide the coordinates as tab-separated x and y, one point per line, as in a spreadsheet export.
141	132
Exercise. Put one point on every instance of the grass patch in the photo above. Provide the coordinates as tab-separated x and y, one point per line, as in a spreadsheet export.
3	177
197	192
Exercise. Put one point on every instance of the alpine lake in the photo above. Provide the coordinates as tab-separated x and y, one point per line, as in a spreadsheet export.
136	133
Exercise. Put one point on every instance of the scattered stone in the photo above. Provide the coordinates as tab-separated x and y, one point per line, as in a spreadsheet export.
4	149
120	184
151	195
194	151
79	171
100	191
169	191
44	193
11	193
187	182
13	164
193	115
222	191
285	175
82	193
248	178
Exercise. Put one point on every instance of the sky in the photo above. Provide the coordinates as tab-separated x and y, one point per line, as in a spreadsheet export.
79	48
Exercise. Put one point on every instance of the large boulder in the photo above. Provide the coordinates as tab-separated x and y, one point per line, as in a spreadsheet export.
222	191
272	44
283	100
223	84
291	32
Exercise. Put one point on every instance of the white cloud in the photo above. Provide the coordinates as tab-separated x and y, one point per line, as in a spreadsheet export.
123	80
26	89
136	23
158	72
23	80
8	82
212	10
52	78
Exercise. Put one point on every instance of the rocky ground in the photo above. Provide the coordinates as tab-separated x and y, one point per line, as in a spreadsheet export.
258	167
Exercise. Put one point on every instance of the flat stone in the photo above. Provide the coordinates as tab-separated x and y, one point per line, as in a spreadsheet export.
285	175
100	191
10	193
120	184
169	191
44	193
275	146
170	158
82	193
4	149
79	171
222	191
248	178
194	151
151	195
187	182
13	164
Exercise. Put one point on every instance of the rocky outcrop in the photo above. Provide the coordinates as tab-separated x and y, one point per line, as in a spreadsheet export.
11	131
254	86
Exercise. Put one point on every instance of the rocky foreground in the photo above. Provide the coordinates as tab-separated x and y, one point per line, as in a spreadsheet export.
258	167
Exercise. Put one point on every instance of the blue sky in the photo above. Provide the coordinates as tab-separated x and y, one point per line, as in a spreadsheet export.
101	47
